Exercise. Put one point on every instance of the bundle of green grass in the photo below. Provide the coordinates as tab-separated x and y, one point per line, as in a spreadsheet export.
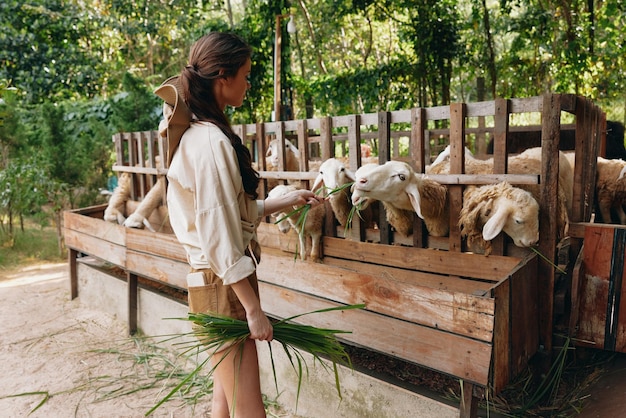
214	334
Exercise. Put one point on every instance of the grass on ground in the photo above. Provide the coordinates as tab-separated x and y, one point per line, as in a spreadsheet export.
34	245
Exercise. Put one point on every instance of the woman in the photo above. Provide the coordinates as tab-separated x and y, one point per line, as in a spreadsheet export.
214	213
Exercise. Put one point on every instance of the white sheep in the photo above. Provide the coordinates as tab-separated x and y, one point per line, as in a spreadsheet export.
116	207
494	208
152	200
528	162
313	226
292	156
334	175
139	218
611	189
403	191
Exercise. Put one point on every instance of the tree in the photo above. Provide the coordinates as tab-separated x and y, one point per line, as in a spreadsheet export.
42	50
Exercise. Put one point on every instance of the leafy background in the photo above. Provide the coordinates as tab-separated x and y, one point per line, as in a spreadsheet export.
75	72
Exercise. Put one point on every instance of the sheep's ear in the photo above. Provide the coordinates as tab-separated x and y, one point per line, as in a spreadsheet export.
293	148
318	182
495	224
622	173
414	197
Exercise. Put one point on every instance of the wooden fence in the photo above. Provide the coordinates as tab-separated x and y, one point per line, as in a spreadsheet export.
428	301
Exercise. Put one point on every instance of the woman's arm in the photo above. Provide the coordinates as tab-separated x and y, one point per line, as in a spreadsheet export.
258	323
295	198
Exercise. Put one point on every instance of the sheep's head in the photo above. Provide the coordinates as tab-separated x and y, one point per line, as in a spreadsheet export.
333	174
394	182
283	226
273	151
502	208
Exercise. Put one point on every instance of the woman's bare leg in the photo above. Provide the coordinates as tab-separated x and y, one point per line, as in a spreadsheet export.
240	371
219	407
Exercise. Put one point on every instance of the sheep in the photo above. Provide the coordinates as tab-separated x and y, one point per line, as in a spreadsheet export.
403	191
152	200
334	175
313	226
493	208
292	156
528	162
517	141
610	190
116	207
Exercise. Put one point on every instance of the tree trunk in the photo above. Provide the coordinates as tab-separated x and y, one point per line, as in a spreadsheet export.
491	62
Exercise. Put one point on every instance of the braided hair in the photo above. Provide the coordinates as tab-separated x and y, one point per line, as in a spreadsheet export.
218	55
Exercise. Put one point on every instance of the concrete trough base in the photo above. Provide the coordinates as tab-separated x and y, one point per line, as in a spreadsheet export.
363	396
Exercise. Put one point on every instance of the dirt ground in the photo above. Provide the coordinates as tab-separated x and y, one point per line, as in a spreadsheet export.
62	359
79	362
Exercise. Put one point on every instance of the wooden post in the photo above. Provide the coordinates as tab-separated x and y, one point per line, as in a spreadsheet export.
469	404
458	112
131	280
550	135
417	149
357	229
72	256
500	158
384	155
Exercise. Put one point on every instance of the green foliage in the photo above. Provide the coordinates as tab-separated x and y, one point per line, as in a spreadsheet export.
137	108
73	73
43	49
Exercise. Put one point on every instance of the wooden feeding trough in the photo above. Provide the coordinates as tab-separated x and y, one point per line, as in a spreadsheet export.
428	300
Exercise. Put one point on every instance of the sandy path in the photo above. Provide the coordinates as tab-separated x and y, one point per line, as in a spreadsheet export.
79	357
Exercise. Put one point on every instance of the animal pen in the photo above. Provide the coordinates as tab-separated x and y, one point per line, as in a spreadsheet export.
429	301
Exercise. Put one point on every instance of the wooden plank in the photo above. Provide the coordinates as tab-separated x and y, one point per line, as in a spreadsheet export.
615	329
500	132
479	179
384	137
550	134
594	293
524	317
139	170
435	281
448	353
469	403
456	312
423	259
357	231
457	166
502	336
88	244
158	244
106	231
326	133
161	269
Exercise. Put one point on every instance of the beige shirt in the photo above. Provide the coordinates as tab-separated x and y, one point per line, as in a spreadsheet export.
209	211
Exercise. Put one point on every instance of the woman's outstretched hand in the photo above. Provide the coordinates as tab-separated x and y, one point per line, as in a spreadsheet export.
304	197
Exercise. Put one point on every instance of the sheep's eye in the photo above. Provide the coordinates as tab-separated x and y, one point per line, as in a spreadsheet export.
519	221
402	177
342	169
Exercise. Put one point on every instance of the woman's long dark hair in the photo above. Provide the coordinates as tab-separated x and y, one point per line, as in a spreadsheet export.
211	54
